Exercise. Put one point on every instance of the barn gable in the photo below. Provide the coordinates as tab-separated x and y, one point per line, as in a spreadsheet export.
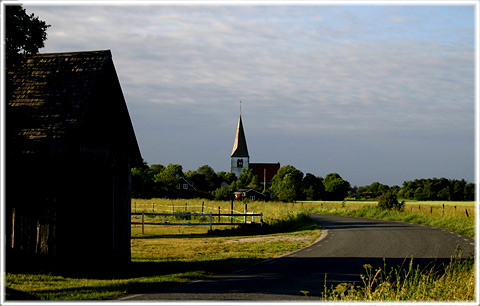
69	150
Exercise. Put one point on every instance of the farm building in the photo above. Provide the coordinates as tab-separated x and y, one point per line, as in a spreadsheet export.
70	146
185	189
250	194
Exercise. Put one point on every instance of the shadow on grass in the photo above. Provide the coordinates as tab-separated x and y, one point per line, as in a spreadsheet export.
148	276
134	278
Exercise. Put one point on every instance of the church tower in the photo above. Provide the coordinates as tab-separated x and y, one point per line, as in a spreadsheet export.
239	157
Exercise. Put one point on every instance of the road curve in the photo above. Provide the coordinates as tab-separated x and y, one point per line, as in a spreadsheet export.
347	244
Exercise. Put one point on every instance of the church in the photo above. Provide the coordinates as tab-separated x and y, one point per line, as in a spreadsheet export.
240	159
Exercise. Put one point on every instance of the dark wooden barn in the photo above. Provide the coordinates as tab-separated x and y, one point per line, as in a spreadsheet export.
70	146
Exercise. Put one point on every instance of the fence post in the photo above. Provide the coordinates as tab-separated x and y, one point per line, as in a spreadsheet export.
431	209
143	222
185	206
443	210
231	211
153	207
203	204
245	214
135	207
253	217
173	208
466	212
261	219
218	214
211	221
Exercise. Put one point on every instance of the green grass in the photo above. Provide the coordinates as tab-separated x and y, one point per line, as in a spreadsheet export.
455	283
453	219
168	255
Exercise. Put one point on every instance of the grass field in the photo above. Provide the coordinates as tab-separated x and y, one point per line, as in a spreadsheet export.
168	255
454	216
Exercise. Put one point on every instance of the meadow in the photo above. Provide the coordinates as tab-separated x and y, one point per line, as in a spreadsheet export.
168	255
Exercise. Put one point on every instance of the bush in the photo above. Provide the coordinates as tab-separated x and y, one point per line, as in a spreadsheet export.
389	201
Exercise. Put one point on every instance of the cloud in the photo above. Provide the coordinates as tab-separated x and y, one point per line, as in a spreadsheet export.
300	70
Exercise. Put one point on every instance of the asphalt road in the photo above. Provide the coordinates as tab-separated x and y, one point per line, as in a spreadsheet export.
347	243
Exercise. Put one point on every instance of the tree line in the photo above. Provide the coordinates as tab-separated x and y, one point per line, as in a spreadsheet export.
288	185
431	189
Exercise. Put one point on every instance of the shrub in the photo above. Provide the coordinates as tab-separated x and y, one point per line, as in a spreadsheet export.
389	201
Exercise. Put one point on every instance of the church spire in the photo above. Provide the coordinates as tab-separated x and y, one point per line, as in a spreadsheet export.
240	144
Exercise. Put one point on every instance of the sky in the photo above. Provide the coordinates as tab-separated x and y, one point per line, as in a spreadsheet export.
376	93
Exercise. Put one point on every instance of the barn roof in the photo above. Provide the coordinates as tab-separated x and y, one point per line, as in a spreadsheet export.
51	96
265	171
240	144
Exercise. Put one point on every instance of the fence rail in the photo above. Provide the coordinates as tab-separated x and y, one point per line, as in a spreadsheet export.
210	215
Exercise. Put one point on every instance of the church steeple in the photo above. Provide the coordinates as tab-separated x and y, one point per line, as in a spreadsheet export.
239	157
240	144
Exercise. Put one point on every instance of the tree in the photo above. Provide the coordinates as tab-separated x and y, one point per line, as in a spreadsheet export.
157	168
389	201
24	34
247	179
444	194
167	180
286	184
419	195
373	190
227	177
437	189
211	179
312	187
458	190
224	193
470	192
142	182
336	188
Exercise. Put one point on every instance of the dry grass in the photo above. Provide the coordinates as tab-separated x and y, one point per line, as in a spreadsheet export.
169	255
455	284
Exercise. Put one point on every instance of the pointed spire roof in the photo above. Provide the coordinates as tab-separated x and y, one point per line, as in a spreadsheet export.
240	144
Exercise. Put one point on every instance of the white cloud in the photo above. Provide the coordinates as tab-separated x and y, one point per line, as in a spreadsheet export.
299	70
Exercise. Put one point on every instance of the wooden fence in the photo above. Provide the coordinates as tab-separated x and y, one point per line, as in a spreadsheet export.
210	216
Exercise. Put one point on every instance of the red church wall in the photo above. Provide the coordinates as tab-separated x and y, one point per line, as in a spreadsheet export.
265	171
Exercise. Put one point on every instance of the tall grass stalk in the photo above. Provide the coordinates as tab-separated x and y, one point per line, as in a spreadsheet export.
455	282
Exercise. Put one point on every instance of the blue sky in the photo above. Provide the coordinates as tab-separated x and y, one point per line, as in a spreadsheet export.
373	92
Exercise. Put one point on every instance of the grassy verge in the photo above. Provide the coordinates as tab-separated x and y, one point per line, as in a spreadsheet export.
452	218
168	255
455	282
